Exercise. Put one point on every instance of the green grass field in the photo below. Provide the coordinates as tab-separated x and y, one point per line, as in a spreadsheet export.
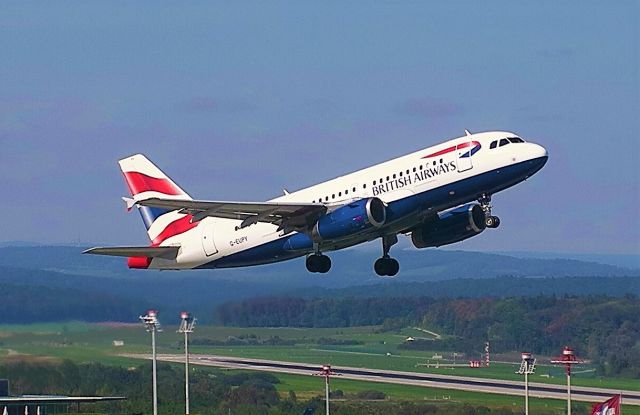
310	386
83	342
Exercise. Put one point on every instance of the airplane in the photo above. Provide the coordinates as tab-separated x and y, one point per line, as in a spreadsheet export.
438	196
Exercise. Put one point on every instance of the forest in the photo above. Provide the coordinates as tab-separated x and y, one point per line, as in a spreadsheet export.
606	330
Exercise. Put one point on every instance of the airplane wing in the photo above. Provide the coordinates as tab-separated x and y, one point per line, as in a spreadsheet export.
288	216
167	252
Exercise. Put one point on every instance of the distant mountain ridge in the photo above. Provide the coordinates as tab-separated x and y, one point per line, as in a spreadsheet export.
618	260
47	272
351	267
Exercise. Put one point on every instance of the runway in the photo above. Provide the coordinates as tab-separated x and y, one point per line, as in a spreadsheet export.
470	384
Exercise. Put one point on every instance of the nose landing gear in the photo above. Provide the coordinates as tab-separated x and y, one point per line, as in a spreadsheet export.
490	220
387	266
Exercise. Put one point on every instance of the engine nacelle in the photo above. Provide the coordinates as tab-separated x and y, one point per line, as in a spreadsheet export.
450	227
351	219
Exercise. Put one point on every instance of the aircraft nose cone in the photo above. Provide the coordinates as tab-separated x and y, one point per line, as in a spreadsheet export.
539	157
539	151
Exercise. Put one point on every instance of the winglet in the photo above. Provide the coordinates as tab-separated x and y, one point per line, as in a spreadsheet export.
467	132
129	202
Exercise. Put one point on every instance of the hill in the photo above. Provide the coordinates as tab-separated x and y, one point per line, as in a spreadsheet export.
351	267
52	273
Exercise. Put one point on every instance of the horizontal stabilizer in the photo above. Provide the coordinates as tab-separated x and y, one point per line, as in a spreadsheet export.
129	202
166	252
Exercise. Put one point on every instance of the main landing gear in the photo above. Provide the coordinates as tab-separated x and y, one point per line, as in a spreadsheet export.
485	204
387	266
318	263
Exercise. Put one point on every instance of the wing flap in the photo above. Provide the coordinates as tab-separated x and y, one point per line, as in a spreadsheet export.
166	252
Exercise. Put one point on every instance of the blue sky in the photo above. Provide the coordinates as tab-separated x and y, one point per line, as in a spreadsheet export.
236	100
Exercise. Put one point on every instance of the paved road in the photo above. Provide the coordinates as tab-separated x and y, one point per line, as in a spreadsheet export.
471	384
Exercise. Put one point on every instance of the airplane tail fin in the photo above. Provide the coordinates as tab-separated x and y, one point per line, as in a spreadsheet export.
144	181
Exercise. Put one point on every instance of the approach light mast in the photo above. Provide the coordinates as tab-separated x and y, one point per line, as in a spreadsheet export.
567	359
152	324
187	324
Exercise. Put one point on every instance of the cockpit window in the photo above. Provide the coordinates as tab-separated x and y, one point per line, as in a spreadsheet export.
494	144
515	139
504	142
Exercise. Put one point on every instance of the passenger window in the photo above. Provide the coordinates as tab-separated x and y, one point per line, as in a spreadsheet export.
421	167
354	189
346	192
400	174
364	186
414	169
333	196
326	198
374	182
504	142
387	178
494	144
440	161
434	162
394	176
339	194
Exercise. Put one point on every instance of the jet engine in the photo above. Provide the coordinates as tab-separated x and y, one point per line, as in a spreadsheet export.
350	219
450	227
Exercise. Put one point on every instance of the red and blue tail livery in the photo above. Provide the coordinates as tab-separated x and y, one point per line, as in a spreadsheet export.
144	181
436	199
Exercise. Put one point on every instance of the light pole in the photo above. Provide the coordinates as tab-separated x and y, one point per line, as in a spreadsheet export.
567	359
326	372
487	359
527	367
186	326
150	320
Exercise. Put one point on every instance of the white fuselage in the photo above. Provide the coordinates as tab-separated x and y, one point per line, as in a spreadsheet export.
434	168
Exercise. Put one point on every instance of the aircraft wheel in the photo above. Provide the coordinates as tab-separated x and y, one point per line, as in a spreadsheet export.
325	264
318	263
312	263
492	221
394	267
386	267
379	267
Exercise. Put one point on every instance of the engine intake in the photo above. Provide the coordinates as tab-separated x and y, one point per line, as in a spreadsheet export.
450	227
351	219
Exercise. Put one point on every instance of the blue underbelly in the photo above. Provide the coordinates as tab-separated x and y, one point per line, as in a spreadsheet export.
437	199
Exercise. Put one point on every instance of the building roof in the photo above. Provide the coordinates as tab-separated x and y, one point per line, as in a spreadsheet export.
53	399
